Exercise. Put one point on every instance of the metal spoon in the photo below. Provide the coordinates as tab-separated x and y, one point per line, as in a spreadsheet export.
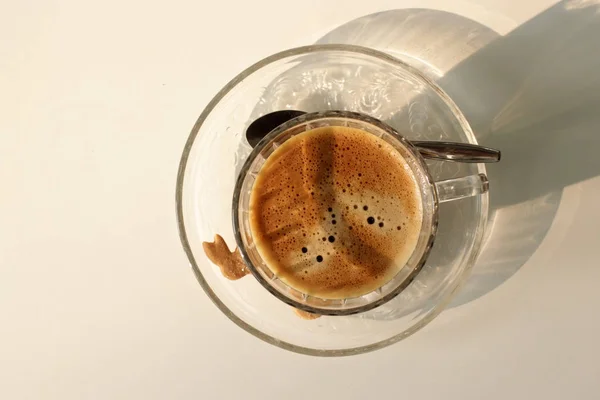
447	151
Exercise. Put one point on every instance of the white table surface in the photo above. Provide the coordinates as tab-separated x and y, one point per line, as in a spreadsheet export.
97	300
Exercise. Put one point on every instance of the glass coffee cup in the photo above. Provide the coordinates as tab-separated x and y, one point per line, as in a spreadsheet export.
318	78
431	195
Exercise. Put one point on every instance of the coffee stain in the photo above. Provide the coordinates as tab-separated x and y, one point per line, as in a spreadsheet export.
231	263
306	315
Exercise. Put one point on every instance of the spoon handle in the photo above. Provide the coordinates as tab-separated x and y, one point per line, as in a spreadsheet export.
459	152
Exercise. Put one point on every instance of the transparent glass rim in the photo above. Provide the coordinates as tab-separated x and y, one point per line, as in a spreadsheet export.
313	49
315	117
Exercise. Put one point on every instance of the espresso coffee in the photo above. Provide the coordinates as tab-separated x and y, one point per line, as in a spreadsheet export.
335	212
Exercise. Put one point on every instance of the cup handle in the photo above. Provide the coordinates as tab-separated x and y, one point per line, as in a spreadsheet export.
459	188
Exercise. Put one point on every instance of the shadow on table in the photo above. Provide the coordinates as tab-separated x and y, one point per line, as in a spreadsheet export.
534	94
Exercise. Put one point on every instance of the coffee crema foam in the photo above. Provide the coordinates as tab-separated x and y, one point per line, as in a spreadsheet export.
335	212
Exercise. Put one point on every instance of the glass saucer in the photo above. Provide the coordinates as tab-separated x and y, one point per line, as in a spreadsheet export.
316	78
